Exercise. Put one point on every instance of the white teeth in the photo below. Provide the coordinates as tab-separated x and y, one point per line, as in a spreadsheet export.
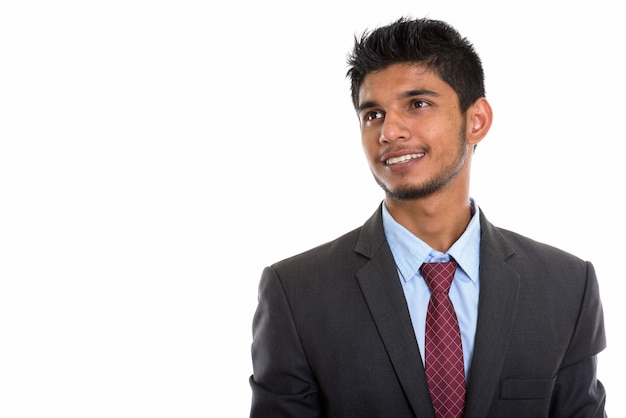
403	158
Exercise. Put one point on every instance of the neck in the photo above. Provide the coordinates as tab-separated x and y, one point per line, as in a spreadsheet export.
436	221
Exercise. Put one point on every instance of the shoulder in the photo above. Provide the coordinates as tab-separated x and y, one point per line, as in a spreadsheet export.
527	254
536	260
528	246
344	253
525	244
331	253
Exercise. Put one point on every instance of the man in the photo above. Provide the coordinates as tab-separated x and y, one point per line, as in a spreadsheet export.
346	329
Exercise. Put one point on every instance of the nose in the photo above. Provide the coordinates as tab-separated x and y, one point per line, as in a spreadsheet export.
394	129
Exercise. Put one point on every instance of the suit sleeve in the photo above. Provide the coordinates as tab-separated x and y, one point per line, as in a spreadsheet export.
578	393
282	382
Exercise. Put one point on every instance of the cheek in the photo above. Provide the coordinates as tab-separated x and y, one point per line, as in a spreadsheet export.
370	145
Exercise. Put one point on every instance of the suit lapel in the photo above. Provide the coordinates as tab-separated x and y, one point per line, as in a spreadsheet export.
499	286
383	293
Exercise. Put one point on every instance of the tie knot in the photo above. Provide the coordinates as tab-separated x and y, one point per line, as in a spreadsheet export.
439	276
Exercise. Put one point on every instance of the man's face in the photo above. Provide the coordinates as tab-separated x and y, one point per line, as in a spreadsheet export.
412	129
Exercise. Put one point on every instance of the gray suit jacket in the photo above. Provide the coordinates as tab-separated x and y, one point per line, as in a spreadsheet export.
332	336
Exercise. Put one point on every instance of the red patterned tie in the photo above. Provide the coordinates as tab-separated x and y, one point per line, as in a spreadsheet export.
444	351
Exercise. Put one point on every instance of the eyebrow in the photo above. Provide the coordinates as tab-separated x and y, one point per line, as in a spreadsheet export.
404	95
418	92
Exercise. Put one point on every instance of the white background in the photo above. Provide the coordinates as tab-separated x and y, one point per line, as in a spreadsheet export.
156	155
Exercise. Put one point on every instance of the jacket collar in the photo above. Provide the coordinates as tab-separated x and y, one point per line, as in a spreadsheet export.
499	285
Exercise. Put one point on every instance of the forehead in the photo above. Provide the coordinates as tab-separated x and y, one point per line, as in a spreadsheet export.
398	79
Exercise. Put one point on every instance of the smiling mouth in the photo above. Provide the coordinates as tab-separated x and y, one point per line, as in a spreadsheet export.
403	158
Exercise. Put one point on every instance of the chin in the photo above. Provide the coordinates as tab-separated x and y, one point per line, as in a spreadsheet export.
409	194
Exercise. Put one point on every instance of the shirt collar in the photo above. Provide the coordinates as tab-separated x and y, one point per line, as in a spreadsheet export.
410	252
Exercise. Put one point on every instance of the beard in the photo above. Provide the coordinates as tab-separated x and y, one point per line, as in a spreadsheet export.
434	184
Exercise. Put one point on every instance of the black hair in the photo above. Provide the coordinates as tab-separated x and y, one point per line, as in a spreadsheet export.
432	43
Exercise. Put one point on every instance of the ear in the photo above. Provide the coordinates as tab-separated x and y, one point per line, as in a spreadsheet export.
479	118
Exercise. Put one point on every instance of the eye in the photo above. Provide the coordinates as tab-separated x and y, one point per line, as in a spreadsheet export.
373	115
418	104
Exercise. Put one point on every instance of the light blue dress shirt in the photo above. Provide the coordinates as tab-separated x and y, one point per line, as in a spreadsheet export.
410	252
